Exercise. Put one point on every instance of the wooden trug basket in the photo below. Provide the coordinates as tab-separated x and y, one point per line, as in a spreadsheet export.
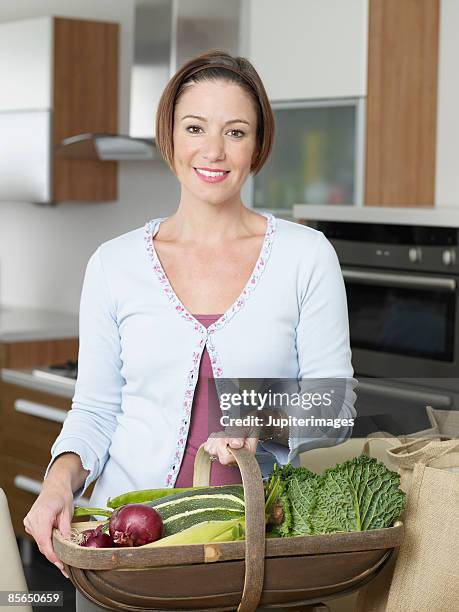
255	574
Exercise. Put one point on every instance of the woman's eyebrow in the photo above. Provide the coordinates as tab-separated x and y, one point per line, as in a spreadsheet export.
203	119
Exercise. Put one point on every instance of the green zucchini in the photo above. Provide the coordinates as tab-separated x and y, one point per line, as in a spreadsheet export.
183	510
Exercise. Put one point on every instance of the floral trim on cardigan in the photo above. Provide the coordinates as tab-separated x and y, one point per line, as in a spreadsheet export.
151	228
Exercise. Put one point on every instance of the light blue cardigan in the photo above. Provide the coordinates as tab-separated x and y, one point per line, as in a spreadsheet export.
140	350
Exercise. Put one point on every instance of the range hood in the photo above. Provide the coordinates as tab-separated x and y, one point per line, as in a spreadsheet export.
167	33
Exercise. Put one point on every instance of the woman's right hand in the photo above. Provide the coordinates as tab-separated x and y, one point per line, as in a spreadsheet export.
52	508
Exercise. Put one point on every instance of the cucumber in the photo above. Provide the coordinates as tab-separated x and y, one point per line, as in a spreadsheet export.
185	509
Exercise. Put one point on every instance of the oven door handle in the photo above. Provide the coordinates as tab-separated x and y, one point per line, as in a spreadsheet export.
399	280
436	400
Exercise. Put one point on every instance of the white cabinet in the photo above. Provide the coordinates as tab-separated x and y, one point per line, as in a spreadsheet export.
26	49
308	49
26	84
58	78
25	167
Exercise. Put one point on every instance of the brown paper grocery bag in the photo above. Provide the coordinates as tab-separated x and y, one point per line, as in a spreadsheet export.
374	597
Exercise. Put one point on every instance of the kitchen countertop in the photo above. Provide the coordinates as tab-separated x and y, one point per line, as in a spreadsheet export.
20	324
25	378
438	217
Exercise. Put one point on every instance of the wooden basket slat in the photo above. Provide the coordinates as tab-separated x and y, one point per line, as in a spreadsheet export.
117	558
230	576
347	566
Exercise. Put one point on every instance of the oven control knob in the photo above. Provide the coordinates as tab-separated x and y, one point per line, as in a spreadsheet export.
415	254
448	257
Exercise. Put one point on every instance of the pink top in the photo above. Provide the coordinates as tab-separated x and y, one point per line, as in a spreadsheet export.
205	420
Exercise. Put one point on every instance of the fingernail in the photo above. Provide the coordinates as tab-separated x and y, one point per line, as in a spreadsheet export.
61	567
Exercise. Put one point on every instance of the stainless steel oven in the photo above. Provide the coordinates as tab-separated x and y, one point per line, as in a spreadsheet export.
402	290
403	323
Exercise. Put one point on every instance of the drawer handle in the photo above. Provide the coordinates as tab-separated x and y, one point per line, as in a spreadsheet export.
34	486
27	484
40	410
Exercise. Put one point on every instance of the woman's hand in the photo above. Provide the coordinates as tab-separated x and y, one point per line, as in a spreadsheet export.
218	447
52	508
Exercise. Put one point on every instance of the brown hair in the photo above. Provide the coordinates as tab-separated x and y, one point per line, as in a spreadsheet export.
214	65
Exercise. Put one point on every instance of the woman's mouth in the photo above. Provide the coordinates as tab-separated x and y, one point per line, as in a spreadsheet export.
211	176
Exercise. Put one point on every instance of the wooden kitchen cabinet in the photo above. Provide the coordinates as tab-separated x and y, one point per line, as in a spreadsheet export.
30	422
34	353
59	78
17	480
308	49
402	103
20	407
19	500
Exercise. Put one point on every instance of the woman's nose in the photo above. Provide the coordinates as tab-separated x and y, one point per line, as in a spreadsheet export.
214	148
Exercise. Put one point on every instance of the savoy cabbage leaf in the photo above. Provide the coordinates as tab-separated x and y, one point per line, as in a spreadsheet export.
296	498
356	495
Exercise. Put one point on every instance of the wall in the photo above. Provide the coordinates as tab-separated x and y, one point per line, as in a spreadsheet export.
44	250
447	176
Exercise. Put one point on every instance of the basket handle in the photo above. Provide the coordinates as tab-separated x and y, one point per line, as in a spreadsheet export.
254	496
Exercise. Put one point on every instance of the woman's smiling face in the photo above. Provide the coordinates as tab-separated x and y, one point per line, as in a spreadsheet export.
215	125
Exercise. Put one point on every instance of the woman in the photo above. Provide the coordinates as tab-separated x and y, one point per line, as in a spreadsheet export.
216	285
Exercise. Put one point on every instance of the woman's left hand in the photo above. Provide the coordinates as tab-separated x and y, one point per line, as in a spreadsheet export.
218	447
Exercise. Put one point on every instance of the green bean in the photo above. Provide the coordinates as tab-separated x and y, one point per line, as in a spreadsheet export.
144	495
83	511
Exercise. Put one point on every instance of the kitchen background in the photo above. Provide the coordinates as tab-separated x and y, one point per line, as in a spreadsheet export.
365	94
308	51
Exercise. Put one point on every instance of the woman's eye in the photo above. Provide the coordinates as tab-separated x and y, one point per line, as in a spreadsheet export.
193	129
237	133
196	129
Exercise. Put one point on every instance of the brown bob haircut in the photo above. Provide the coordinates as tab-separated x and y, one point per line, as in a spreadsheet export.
211	66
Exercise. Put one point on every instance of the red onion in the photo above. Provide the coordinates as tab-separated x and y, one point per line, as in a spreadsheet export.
89	532
135	525
95	538
98	540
